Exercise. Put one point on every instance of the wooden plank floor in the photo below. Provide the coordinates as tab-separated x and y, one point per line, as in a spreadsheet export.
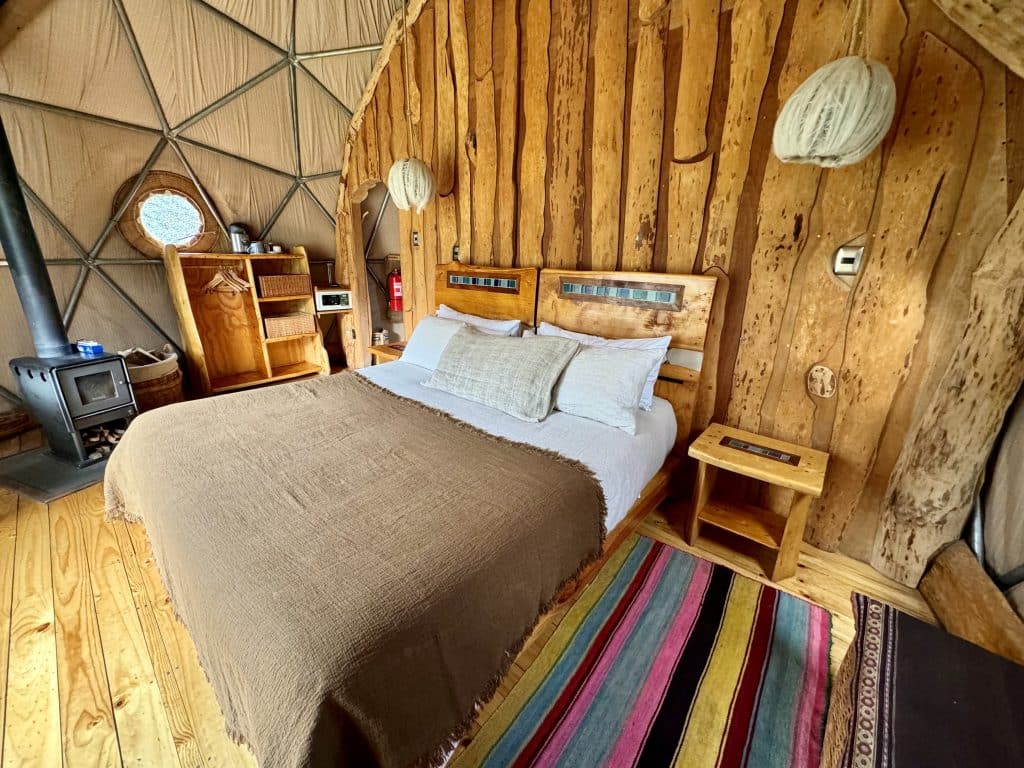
96	670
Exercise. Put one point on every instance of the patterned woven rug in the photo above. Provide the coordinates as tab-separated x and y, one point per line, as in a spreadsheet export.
669	660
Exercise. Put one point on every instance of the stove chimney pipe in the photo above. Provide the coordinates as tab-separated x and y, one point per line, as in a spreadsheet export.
25	260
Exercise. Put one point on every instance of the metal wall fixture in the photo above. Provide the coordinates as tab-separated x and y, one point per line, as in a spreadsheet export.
847	260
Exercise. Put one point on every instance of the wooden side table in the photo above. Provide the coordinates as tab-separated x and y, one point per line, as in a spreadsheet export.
772	461
385	353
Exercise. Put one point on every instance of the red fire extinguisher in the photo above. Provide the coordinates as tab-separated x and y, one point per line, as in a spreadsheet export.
395	290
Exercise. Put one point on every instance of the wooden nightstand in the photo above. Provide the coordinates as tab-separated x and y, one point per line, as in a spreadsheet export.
385	353
772	461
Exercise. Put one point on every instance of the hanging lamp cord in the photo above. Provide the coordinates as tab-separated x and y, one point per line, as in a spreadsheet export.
859	35
408	79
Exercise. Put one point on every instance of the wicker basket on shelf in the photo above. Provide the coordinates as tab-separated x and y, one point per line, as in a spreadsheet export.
292	324
284	285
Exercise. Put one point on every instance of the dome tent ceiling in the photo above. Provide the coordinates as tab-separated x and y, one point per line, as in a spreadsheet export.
249	98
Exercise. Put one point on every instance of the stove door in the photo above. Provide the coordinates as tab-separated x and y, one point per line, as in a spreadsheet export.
94	387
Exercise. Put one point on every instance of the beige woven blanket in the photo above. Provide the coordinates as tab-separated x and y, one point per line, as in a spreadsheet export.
356	570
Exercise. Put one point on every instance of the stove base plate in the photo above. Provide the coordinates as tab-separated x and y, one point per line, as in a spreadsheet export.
43	477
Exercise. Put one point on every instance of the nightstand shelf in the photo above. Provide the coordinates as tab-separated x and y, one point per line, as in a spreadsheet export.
775	462
386	353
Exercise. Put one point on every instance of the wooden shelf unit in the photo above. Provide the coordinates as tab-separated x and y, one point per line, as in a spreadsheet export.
223	336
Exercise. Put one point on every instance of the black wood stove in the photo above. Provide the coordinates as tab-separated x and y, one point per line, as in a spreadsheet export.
69	393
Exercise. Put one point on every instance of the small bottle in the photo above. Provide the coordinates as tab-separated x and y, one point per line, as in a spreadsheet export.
239	238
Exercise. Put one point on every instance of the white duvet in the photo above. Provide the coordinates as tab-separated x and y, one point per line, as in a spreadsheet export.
623	464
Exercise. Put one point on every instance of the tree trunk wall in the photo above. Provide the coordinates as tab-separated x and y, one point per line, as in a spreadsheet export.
606	134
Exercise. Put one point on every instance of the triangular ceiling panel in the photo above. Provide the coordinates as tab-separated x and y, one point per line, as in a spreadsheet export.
255	125
321	26
194	56
101	311
345	76
326	191
270	19
322	127
52	59
75	165
52	243
239	191
303	223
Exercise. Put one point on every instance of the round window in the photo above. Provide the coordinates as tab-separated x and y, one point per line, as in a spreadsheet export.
166	209
169	218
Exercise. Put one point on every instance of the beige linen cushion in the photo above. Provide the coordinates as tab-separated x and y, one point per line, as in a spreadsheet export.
509	373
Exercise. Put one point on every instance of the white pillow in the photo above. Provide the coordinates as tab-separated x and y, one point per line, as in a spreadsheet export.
657	343
428	341
605	384
485	324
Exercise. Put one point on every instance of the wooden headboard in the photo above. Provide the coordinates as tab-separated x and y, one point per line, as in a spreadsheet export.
501	293
638	304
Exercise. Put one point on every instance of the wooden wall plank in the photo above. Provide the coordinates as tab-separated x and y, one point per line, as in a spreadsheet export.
382	109
32	732
606	144
920	190
698	20
355	325
753	29
755	25
932	488
570	41
788	193
646	131
426	222
463	170
484	131
973	228
369	133
88	732
396	90
688	187
508	124
445	97
533	153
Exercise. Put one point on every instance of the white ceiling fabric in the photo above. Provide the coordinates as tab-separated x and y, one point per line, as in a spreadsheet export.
249	98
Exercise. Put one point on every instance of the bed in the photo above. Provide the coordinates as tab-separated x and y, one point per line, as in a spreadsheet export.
358	557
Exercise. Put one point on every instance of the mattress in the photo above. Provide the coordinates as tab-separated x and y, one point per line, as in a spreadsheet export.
622	463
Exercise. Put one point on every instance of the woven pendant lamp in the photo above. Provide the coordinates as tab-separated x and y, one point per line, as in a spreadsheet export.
411	184
838	115
410	181
841	112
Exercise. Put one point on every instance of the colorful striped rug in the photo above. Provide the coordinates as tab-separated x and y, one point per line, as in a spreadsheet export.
669	660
